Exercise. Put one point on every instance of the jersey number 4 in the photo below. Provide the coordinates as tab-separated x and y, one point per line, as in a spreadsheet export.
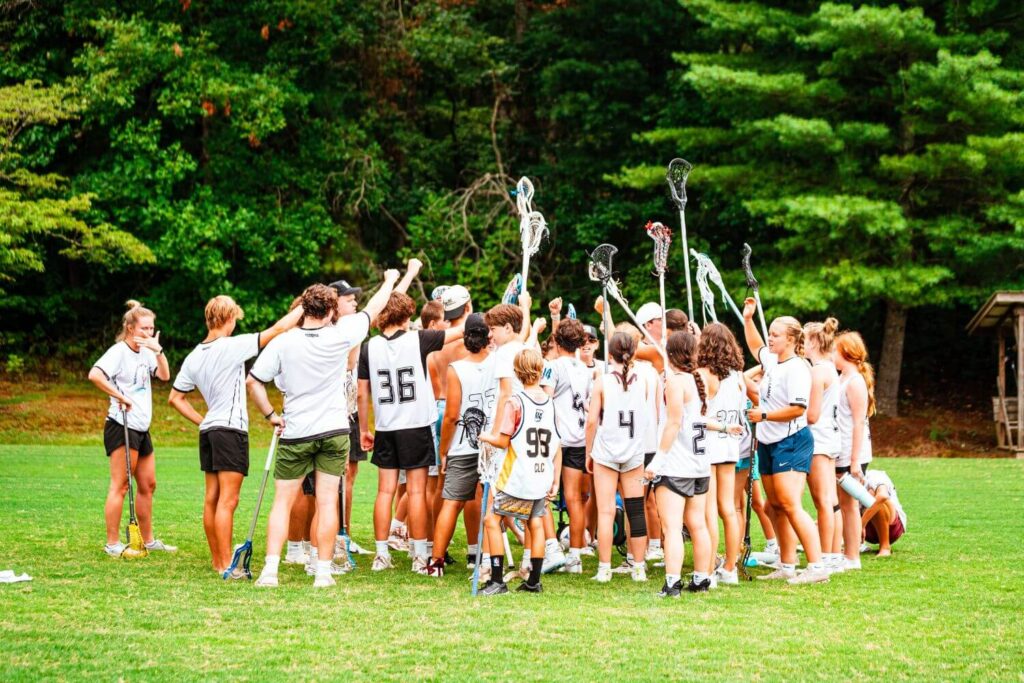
539	441
627	424
405	378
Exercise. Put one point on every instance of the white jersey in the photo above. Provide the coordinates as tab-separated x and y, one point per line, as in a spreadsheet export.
504	356
131	373
479	394
688	455
875	478
403	397
527	470
726	407
572	382
826	430
845	418
784	384
654	418
217	369
620	436
311	366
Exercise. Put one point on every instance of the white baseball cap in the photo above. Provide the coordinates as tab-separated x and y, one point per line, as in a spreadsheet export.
648	312
454	301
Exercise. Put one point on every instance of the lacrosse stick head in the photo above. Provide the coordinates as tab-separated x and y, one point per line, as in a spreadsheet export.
524	196
513	290
678	172
705	269
751	280
532	229
136	549
662	236
473	421
600	267
572	312
437	293
489	463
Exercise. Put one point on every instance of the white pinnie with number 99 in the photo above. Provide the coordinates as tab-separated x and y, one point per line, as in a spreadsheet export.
527	471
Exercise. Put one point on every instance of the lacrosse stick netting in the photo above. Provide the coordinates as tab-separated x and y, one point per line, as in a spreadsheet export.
752	283
600	270
710	272
707	297
662	236
678	172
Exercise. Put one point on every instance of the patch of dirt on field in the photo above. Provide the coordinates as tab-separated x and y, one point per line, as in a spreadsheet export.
935	431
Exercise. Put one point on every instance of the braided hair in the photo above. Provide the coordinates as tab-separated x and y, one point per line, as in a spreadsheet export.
622	348
682	354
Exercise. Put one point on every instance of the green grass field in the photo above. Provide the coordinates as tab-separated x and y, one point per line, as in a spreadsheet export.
946	606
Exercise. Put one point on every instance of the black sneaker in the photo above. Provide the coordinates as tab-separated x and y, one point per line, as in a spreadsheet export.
436	568
673	591
448	559
470	561
527	588
701	587
495	588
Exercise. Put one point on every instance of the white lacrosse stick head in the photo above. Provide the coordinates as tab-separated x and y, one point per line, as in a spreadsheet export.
678	172
489	462
532	229
662	236
600	267
707	297
524	197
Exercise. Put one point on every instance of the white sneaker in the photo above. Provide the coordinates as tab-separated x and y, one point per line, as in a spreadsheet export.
639	572
712	581
766	559
625	568
573	565
655	554
324	582
604	575
809	576
114	550
552	561
419	565
157	545
778	575
727	578
356	549
266	581
382	562
587	551
835	565
300	557
849	565
865	548
398	540
336	569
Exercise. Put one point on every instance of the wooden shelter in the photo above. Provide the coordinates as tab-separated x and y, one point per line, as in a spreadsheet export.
1003	313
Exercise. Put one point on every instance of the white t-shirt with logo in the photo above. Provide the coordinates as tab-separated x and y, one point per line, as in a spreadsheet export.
784	384
875	478
217	369
311	364
131	373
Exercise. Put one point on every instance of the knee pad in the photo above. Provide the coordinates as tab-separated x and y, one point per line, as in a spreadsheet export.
635	515
835	508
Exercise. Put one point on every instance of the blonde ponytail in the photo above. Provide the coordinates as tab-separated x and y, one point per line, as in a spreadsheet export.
135	311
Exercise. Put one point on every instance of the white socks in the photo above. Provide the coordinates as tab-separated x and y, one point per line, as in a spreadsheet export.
771	546
430	548
323	568
382	549
788	567
671	579
604	566
574	553
294	547
550	546
419	547
473	550
655	542
271	564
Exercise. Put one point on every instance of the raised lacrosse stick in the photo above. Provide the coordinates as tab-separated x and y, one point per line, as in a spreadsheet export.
662	236
599	268
532	226
600	271
514	289
752	283
707	297
711	273
678	171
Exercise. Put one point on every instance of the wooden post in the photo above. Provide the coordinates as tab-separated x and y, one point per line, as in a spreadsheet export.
1004	437
1019	329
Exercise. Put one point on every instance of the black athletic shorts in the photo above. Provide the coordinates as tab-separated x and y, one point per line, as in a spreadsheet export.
113	439
648	457
224	450
309	484
840	471
575	457
686	487
404	449
355	451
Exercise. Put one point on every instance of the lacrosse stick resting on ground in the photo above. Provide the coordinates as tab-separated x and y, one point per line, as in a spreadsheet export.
678	171
706	270
243	552
487	468
136	548
600	270
662	236
752	283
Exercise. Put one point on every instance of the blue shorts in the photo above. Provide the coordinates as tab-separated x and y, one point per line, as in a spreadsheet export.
792	454
744	464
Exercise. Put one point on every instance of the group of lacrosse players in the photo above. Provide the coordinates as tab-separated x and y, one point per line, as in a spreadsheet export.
645	444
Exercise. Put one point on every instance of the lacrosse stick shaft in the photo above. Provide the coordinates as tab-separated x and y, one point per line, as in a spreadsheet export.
750	496
686	265
732	305
760	313
128	468
614	292
526	266
480	538
664	316
605	325
509	560
263	485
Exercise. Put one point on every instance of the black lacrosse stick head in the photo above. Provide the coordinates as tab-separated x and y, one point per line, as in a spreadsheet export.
751	280
678	172
247	562
600	268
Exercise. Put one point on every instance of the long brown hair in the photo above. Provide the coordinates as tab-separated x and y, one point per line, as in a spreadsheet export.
682	353
718	351
850	345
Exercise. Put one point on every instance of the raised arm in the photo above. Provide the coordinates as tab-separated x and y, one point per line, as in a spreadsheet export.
412	269
525	302
750	333
283	325
379	300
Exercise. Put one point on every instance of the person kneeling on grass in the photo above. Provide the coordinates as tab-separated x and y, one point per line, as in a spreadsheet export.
885	521
528	478
311	360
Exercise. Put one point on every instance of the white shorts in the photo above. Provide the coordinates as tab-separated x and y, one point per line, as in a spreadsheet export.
631	464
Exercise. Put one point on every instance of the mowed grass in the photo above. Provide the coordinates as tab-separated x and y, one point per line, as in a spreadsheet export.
947	606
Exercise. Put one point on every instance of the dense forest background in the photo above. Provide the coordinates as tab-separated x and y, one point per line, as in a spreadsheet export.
872	154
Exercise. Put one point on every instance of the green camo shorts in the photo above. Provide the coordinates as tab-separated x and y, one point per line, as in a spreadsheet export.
328	455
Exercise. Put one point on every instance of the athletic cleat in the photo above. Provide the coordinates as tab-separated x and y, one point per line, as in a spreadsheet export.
726	577
778	575
835	565
114	550
527	588
381	562
419	565
603	575
448	559
266	581
673	591
865	548
324	582
625	568
654	554
766	559
573	565
639	573
702	587
587	551
336	569
435	568
296	558
809	576
553	561
157	545
494	588
712	581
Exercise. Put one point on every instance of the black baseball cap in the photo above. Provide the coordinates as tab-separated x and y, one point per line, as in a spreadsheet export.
475	321
344	288
590	331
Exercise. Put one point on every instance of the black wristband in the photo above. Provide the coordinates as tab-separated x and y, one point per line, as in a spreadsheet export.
764	416
269	415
